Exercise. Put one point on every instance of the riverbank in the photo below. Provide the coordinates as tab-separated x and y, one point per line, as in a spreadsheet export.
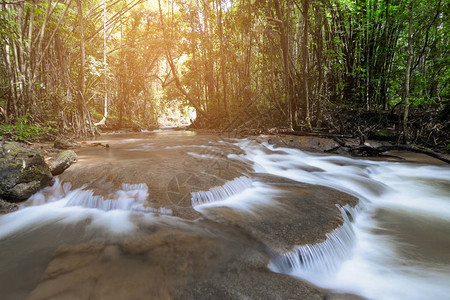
326	145
311	143
323	144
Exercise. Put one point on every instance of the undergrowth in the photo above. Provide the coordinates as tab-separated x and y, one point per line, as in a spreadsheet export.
24	130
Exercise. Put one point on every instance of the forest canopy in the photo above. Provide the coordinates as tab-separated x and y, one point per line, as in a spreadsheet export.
364	67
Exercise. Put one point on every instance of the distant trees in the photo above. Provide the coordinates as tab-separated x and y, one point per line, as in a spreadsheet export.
28	30
277	62
301	57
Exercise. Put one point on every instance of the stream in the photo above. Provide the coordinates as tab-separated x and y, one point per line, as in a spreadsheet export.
181	215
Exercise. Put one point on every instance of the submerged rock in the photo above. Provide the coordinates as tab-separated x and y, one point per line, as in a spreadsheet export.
23	171
60	162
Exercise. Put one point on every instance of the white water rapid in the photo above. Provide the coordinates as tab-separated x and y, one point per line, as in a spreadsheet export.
59	204
395	245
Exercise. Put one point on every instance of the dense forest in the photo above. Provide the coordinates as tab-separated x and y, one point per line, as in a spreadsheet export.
365	68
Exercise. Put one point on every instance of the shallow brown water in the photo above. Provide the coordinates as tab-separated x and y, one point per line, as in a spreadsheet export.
163	248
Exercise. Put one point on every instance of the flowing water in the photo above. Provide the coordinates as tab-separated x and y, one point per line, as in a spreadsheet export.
393	244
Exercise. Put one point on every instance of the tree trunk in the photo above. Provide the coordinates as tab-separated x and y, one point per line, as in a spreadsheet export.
287	74
408	73
319	54
305	6
384	79
222	63
83	120
105	73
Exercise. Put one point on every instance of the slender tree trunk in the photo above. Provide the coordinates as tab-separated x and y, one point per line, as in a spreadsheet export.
11	107
222	63
82	112
319	54
105	51
287	74
408	73
305	6
105	73
384	79
367	55
80	94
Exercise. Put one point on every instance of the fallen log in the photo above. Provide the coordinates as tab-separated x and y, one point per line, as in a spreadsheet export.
339	140
366	150
369	151
318	134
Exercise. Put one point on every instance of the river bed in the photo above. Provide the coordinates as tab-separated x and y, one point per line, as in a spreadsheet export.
180	215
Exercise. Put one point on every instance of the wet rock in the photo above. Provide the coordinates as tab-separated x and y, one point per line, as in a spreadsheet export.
62	143
23	171
6	207
304	143
344	296
63	160
342	151
300	214
179	260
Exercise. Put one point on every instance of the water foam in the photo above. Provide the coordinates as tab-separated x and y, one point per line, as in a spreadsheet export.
249	201
221	193
60	204
130	197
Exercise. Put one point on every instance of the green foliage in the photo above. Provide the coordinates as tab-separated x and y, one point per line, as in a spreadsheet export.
96	115
23	130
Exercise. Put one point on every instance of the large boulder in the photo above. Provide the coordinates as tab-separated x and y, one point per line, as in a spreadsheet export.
60	162
23	171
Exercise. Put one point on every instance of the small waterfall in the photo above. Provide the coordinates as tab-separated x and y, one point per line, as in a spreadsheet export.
86	198
322	258
131	197
220	193
52	193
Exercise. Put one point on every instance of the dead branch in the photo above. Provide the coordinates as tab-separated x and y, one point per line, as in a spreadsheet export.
318	134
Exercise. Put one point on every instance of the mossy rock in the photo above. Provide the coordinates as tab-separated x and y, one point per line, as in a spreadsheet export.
23	171
60	162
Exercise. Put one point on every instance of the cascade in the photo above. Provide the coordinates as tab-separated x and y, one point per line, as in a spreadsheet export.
321	258
220	193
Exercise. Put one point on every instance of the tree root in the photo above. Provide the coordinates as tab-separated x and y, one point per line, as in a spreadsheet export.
416	149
